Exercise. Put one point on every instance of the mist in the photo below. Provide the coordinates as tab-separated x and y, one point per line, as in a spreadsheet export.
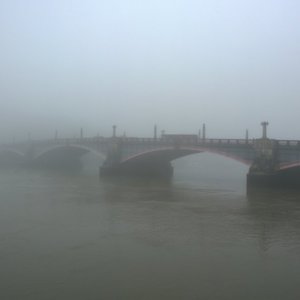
67	65
149	149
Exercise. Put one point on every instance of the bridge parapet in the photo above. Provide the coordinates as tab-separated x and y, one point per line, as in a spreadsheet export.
288	143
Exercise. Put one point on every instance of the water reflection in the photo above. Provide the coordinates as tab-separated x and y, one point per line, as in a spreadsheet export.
70	234
276	214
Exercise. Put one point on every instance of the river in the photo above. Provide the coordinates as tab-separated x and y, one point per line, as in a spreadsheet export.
70	235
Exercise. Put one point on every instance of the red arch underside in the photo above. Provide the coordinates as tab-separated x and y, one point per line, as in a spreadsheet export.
171	153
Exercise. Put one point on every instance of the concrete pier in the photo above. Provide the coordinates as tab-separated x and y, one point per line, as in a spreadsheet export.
145	169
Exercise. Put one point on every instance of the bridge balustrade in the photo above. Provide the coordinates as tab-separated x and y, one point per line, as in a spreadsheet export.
288	143
226	141
223	141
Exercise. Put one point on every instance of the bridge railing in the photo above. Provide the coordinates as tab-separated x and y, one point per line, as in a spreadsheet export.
288	143
187	141
226	141
137	140
157	141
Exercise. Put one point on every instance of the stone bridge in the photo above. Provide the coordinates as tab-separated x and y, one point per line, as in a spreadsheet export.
152	156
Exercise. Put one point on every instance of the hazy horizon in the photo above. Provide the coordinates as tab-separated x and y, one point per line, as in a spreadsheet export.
178	64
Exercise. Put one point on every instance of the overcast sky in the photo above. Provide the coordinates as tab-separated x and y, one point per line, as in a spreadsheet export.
94	63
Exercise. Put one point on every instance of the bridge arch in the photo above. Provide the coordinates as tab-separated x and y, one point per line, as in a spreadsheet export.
169	154
11	156
11	151
64	154
289	166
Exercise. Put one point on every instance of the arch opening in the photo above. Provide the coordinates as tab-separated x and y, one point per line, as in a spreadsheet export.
10	157
158	161
63	156
171	154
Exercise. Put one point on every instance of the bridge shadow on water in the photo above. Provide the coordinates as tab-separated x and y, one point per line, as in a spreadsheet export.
281	181
273	215
273	194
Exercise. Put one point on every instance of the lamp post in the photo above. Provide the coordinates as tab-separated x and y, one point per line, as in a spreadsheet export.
264	126
114	130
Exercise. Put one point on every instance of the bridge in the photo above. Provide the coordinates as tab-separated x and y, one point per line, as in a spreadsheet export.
268	159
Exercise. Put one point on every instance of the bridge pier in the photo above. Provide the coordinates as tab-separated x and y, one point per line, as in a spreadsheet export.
147	169
279	179
114	166
264	170
263	179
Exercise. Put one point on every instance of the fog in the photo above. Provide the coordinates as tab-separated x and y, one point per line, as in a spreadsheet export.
91	64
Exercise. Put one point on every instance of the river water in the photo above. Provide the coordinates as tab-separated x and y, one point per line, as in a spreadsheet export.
71	235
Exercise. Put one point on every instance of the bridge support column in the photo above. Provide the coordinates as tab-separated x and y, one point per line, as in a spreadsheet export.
114	166
144	169
262	177
112	162
264	169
